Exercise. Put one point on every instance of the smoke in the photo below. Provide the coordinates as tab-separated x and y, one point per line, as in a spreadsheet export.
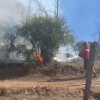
11	9
14	9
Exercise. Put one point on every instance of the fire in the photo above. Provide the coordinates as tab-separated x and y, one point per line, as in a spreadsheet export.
40	58
24	64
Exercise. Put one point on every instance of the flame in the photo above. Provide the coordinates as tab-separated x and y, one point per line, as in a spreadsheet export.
40	58
24	64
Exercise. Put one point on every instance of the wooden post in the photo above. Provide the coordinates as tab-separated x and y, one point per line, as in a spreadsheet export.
89	70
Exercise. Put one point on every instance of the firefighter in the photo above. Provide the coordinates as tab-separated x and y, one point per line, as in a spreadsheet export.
84	53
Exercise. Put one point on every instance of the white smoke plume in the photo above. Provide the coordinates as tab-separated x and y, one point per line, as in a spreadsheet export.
11	9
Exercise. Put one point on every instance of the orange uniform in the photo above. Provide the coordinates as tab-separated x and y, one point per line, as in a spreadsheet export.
85	53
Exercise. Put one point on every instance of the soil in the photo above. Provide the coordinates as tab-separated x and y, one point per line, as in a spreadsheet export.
54	81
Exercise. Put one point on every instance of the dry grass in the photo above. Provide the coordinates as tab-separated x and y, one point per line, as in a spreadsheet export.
45	93
55	71
13	72
39	93
24	87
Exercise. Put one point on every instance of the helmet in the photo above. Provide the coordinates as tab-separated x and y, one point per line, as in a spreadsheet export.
85	43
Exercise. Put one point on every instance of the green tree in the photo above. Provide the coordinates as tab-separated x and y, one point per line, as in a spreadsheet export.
46	33
9	37
68	55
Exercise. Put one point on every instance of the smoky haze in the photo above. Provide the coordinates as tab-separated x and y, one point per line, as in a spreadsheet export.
11	9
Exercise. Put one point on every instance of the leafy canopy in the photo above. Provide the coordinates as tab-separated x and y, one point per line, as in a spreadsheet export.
46	33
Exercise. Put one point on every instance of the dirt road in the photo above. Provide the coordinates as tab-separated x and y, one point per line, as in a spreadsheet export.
21	84
65	90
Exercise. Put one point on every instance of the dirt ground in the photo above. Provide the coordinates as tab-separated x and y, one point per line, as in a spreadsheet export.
60	81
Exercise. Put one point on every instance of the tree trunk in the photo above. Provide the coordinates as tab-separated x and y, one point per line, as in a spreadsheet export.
46	56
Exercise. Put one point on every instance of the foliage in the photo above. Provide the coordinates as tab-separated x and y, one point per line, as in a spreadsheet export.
78	46
45	33
12	42
31	61
28	55
9	37
68	55
98	52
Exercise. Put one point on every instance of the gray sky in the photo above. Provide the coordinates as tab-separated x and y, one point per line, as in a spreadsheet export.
11	9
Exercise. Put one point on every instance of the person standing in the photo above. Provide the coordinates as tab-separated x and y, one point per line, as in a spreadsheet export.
84	53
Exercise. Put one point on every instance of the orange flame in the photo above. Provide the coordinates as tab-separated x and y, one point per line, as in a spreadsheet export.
24	64
39	58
